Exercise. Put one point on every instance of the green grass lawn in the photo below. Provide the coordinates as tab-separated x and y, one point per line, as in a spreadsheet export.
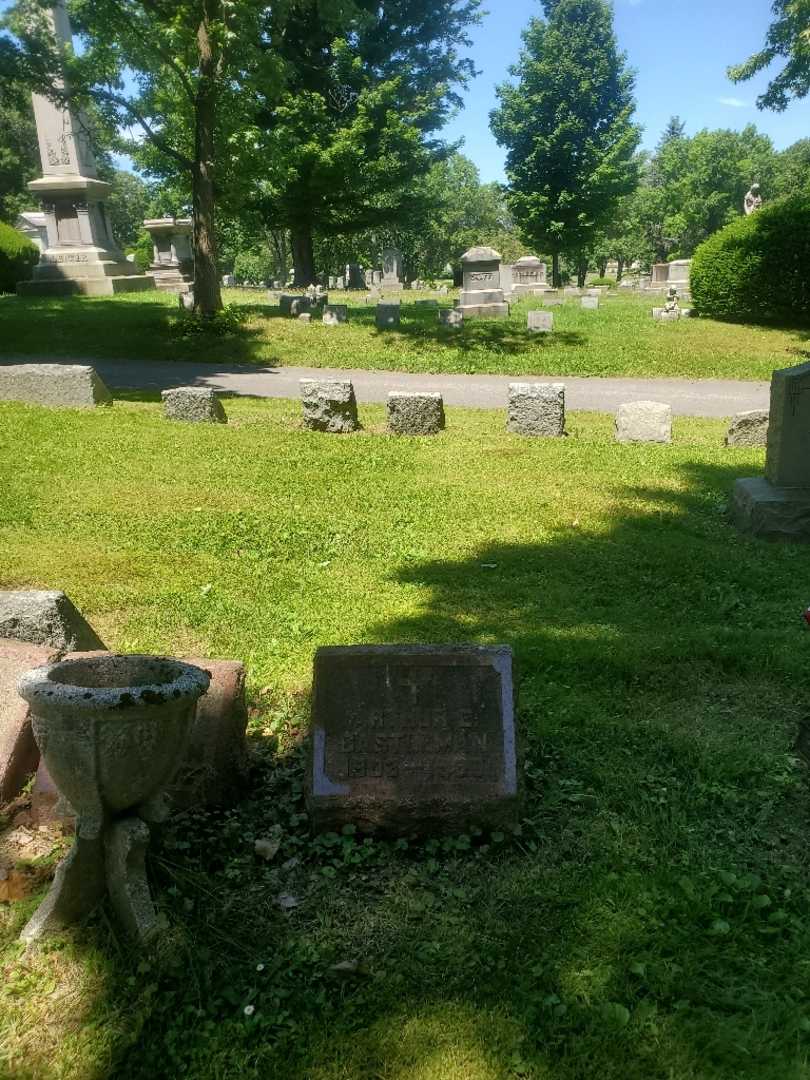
649	918
619	339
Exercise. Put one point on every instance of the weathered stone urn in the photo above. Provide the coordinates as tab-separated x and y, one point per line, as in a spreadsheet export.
111	730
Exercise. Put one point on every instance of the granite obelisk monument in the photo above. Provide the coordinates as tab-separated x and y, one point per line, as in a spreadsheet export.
82	255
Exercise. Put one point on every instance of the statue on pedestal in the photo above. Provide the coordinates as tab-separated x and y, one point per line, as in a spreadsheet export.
753	200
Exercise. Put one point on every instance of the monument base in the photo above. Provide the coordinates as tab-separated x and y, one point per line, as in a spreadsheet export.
106	286
484	311
771	513
89	270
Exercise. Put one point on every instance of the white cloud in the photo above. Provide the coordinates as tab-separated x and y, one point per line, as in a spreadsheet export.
734	102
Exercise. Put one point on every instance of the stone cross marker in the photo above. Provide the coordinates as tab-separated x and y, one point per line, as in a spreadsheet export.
412	738
777	506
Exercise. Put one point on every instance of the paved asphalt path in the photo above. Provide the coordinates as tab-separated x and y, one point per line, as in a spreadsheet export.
705	397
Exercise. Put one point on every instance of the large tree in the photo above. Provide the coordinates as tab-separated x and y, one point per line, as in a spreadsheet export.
567	125
788	38
344	147
147	64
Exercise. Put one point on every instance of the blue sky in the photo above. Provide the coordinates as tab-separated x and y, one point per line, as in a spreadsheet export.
680	52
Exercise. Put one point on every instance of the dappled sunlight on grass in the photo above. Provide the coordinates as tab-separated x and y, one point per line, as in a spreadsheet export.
645	921
618	339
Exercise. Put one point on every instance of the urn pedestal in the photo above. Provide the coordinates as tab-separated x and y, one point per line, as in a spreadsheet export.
111	730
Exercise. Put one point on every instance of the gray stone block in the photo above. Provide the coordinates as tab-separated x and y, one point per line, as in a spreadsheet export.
388	315
329	405
536	409
748	429
590	303
415	413
541	322
70	385
644	421
45	617
305	317
451	317
335	314
193	404
764	510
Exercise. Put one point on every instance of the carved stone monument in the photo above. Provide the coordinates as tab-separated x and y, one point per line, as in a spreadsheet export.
482	294
777	506
172	260
753	200
412	738
392	270
528	276
82	255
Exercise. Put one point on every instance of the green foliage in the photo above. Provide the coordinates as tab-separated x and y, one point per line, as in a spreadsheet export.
603	281
144	250
793	170
18	257
254	267
787	38
567	127
370	92
128	204
19	154
758	268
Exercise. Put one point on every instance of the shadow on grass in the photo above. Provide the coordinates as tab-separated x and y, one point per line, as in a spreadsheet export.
661	680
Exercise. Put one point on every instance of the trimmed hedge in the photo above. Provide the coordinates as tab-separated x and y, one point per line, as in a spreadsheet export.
18	257
758	268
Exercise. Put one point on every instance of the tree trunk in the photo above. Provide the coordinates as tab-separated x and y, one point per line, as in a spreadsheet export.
207	295
556	280
303	255
582	273
619	270
603	267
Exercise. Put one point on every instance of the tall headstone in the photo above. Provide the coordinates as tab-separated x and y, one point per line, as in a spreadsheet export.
82	255
482	294
392	270
528	276
777	506
172	260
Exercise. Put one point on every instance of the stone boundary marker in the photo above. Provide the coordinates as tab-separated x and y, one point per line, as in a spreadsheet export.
749	429
67	385
590	303
412	738
329	405
541	322
388	314
536	409
193	404
643	422
45	617
411	413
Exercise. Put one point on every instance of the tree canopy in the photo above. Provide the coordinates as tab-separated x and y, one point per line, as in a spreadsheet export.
788	39
567	126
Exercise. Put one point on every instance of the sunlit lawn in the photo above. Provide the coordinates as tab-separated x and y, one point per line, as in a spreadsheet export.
619	339
648	921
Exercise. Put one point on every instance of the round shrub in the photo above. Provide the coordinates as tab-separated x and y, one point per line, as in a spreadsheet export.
758	268
18	257
602	281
